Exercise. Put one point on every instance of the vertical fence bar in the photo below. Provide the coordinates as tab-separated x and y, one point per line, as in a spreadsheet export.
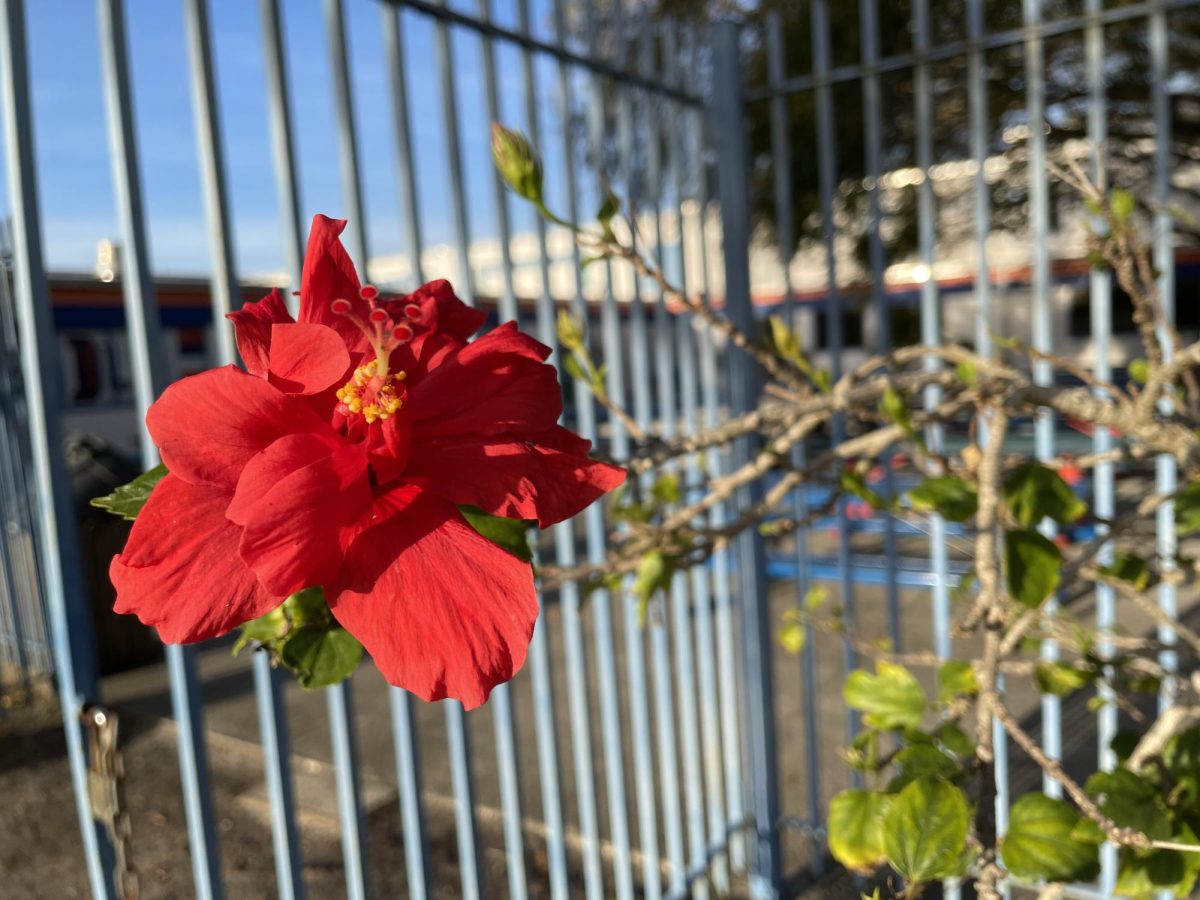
267	680
638	184
723	616
539	649
1035	103
612	344
150	376
577	692
339	697
404	728
393	45
873	153
1103	483
70	619
1164	263
470	863
501	700
827	184
678	56
761	766
931	314
665	371
287	184
781	156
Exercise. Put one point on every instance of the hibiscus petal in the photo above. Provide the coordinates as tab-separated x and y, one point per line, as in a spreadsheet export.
329	275
180	571
442	611
495	384
208	426
252	329
442	312
298	502
307	358
548	477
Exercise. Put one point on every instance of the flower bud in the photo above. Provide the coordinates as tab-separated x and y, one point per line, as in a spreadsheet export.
516	162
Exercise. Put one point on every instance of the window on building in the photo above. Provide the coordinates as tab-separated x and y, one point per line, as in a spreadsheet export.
852	334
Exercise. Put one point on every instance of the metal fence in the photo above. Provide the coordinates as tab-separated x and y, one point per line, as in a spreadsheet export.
663	777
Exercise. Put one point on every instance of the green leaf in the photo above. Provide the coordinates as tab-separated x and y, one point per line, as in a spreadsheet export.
1035	492
1131	802
1128	567
855	827
666	489
264	630
1061	679
570	331
948	496
1031	565
923	761
892	698
1123	204
127	500
793	633
966	372
1038	845
609	208
653	574
895	408
854	483
321	656
1187	509
955	739
815	598
508	534
925	830
1148	874
786	344
1139	370
956	678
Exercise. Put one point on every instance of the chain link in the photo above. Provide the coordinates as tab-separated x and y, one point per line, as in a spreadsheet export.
106	793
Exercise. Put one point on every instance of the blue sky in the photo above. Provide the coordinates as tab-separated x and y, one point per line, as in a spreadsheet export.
71	138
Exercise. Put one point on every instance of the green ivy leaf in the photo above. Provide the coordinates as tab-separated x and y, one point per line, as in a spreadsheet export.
1034	492
127	500
1039	846
947	495
1031	565
1128	567
855	827
1061	679
925	830
892	698
321	656
1187	509
956	678
508	534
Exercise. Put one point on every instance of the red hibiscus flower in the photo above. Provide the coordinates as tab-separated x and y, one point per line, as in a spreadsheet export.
339	458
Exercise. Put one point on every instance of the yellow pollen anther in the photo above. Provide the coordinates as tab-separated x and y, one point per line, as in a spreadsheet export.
366	393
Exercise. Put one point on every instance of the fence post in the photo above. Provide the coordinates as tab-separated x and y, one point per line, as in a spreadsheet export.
70	619
744	382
